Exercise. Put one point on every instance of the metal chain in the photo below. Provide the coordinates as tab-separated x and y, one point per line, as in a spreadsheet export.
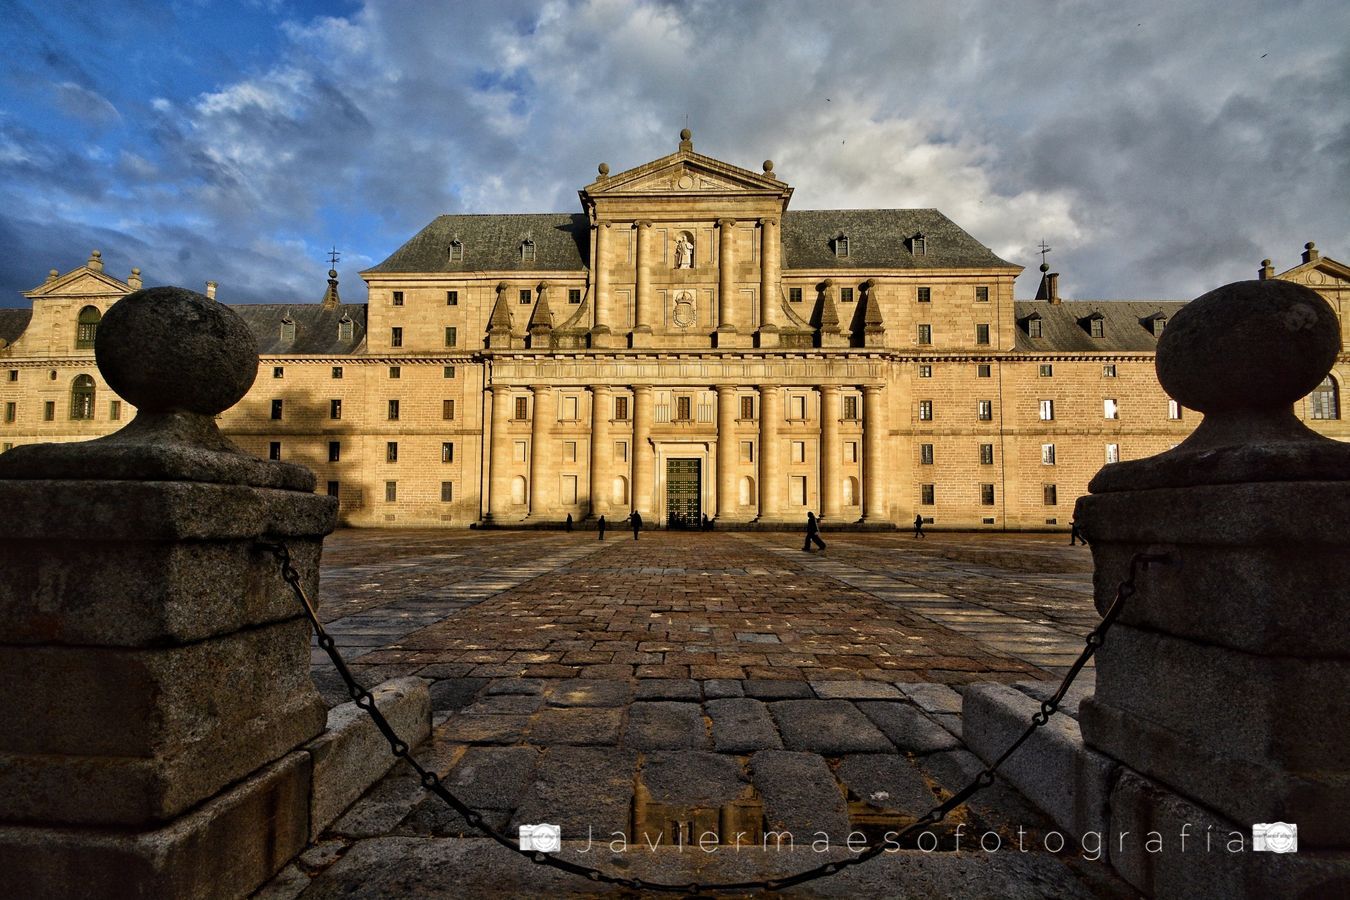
432	782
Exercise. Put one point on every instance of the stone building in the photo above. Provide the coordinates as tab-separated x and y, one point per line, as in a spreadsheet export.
685	345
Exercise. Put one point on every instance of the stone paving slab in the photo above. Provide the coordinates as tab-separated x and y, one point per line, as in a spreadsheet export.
742	725
828	727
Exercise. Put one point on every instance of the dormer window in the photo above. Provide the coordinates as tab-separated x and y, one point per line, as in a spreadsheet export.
345	328
1096	326
527	250
456	250
1033	323
918	245
1155	324
288	329
841	246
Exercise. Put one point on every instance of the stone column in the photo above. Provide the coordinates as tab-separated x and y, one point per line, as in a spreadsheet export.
499	469
643	312
602	449
154	667
728	498
770	466
601	331
726	275
643	456
874	454
543	455
1223	683
831	453
770	274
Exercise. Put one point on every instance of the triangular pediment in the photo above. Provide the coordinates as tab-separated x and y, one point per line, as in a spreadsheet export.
686	173
1320	272
81	282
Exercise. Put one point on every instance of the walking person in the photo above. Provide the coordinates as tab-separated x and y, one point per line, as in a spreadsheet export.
812	533
600	524
1076	533
636	521
568	526
918	527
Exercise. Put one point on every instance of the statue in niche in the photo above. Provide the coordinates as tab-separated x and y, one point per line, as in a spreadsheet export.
684	252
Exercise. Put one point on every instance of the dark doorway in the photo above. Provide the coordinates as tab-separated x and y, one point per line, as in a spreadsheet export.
684	493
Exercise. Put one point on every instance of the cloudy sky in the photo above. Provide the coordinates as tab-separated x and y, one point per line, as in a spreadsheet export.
1160	148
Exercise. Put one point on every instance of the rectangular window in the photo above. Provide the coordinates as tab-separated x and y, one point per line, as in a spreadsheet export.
569	451
747	408
851	451
276	409
278	371
447	409
393	410
684	409
452	298
925	454
621	409
925	371
621	451
570	407
1113	453
525	297
846	295
13	374
519	451
799	490
1047	410
794	295
12	411
1051	495
925	410
274	450
982	370
925	295
333	488
1033	327
395	371
981	294
447	491
799	451
335	451
391	492
1109	371
1047	370
1174	410
451	336
49	411
926	494
1095	327
337	371
986	454
398	298
448	372
925	334
986	495
1047	454
334	409
574	296
798	407
982	333
396	337
522	409
1110	409
747	451
448	452
984	410
391	451
851	408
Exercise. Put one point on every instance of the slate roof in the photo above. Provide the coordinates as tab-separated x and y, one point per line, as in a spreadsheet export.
316	328
492	243
878	238
1064	326
13	322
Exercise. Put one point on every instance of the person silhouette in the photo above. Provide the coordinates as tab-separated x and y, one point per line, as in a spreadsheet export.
636	521
918	527
600	524
812	533
568	525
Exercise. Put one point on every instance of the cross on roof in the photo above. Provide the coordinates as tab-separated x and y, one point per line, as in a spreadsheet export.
333	257
1044	248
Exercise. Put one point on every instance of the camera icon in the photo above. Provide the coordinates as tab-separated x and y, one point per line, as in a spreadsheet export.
543	838
1275	837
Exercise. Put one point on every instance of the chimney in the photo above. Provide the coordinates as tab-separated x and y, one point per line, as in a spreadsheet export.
1266	272
1310	252
96	260
134	280
211	290
1053	277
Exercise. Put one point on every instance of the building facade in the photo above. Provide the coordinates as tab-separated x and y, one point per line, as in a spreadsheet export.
685	346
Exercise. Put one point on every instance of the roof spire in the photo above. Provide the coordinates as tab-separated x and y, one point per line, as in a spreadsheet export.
331	300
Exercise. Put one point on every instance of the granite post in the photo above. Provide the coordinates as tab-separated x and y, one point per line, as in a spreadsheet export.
154	667
1223	687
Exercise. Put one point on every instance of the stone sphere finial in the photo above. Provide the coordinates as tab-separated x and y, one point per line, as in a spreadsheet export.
685	134
604	168
332	273
169	349
1266	262
1249	345
1311	245
768	166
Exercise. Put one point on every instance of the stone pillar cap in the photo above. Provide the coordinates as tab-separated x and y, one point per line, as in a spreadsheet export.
1243	354
181	359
